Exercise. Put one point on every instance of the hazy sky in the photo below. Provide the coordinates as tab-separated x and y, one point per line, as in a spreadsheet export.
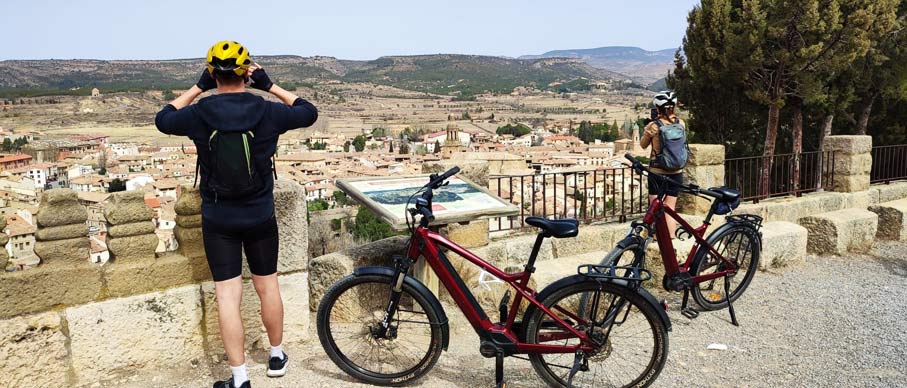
162	29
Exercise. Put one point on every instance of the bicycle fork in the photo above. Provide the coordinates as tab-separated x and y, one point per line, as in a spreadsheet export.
402	268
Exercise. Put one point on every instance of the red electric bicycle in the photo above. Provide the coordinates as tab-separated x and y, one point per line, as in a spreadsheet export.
718	268
597	328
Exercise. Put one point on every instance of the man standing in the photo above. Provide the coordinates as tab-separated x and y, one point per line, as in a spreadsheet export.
235	134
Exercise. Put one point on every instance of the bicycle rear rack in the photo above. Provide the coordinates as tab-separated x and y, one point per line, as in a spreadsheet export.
745	218
611	272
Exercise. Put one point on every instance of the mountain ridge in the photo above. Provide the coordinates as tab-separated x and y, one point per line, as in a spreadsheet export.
642	65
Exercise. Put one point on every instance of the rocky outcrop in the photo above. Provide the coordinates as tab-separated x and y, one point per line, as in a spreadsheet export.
130	231
62	234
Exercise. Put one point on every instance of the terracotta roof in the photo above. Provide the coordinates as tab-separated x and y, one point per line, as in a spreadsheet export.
153	203
16	226
13	158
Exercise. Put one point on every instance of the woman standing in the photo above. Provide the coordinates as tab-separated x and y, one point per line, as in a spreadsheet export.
665	103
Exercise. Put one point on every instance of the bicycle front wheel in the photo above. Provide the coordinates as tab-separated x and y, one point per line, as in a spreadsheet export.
349	328
634	340
741	246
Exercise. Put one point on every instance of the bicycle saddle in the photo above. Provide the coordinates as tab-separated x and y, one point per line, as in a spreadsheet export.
727	194
568	227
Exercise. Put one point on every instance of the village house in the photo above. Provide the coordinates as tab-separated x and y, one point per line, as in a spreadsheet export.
21	245
11	161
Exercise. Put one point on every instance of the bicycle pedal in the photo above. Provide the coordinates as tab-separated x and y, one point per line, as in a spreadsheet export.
689	313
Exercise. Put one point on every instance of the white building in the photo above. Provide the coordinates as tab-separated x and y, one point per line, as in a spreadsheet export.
138	181
123	149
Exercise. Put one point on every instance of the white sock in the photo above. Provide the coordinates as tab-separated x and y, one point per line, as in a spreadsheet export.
277	351
239	375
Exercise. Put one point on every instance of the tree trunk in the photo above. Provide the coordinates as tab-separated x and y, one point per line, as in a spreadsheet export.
768	153
797	134
865	112
826	131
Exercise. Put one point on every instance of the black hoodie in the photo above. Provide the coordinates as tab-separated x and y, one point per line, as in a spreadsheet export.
237	112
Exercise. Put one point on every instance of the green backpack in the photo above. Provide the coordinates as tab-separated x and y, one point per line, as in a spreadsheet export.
232	173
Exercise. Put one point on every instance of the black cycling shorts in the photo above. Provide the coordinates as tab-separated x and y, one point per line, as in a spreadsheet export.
670	186
224	247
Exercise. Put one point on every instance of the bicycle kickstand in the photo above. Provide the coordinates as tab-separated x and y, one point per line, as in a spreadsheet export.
730	307
499	371
684	309
578	363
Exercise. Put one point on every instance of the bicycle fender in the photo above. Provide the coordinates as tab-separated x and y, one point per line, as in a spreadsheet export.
578	278
418	287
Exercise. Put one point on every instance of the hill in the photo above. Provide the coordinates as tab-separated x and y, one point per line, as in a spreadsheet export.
646	66
440	74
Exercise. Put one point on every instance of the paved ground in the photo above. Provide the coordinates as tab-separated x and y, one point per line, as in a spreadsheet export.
828	322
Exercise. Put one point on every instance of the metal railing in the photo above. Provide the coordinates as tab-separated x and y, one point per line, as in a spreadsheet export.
889	163
815	172
599	194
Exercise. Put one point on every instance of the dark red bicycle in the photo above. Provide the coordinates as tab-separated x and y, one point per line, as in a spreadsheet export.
718	268
597	328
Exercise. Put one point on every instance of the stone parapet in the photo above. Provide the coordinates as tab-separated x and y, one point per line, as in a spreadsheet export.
4	239
706	169
852	162
130	230
62	235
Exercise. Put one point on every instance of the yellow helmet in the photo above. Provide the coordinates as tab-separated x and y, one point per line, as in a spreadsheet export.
228	55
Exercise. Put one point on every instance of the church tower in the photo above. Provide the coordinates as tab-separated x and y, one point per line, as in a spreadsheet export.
452	142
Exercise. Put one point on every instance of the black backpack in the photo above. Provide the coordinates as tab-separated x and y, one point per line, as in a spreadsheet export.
232	173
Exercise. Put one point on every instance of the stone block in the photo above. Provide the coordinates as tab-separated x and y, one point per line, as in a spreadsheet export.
783	243
131	229
379	252
470	235
892	220
133	247
62	232
48	286
518	249
4	238
59	197
851	183
62	214
849	144
292	227
473	170
4	259
294	288
704	176
591	238
324	271
73	250
706	154
891	192
655	263
190	241
192	221
156	331
33	350
198	265
856	164
125	278
189	202
841	231
126	207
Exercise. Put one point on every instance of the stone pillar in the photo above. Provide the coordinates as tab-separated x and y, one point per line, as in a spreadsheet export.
188	231
4	239
852	162
62	234
292	226
469	234
705	169
130	232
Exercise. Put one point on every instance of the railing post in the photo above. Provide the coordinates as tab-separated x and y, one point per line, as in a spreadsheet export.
706	169
851	161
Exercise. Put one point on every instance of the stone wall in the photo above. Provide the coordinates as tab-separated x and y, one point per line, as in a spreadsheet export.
852	162
92	323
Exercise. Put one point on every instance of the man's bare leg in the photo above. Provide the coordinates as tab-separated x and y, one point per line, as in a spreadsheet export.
229	298
268	291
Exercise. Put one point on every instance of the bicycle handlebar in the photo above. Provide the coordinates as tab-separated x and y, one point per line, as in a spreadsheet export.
437	181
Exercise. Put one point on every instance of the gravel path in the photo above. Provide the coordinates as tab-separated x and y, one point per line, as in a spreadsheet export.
828	322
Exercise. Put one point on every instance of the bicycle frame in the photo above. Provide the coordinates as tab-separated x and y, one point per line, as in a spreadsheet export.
655	215
426	243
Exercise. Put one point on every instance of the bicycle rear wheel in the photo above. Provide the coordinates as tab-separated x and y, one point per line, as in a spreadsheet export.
634	340
349	318
741	246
